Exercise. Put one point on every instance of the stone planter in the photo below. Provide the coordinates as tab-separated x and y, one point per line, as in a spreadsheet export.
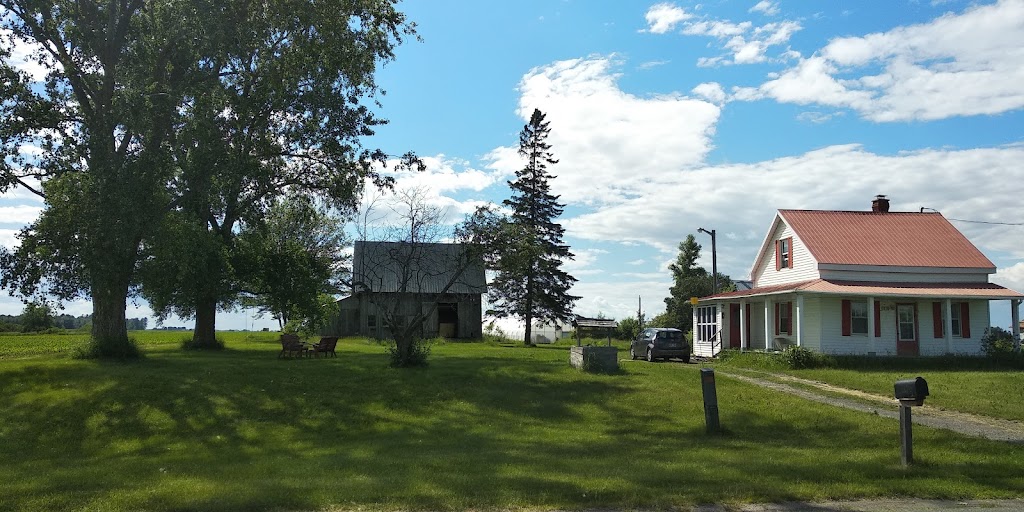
595	359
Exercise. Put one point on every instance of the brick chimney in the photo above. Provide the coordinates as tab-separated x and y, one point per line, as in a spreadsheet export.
880	204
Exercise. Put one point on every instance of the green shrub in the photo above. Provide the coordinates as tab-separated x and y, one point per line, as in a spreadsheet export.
997	342
799	358
419	353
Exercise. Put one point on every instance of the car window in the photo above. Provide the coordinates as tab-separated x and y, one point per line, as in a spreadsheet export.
670	335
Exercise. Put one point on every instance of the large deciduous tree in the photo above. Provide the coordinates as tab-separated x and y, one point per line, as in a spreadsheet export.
529	283
296	262
286	115
93	140
203	109
688	280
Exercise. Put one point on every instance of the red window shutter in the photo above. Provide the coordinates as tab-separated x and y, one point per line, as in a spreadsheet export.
847	319
937	318
965	320
777	319
878	319
791	251
778	260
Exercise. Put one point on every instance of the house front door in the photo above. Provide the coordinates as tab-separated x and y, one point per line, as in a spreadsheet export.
906	330
734	326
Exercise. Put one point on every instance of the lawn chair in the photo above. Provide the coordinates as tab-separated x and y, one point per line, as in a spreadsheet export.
291	345
326	346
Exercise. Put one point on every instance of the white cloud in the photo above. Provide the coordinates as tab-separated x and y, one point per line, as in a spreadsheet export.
971	63
1011	277
442	178
640	261
765	7
21	214
744	42
663	17
817	117
608	141
711	91
652	64
7	238
740	200
25	56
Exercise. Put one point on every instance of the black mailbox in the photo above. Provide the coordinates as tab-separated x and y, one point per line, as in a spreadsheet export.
912	391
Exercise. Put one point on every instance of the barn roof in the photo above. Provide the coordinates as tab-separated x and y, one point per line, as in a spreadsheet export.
417	268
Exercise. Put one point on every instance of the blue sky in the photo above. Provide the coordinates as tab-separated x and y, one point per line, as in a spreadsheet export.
669	116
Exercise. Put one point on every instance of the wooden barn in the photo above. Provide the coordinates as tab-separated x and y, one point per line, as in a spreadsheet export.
398	282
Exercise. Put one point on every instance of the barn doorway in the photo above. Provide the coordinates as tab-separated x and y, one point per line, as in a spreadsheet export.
448	320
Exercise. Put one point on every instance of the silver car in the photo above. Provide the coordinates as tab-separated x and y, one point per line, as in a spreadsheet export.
660	343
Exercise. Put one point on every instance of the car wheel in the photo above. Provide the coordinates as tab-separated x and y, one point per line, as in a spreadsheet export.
650	356
632	353
686	358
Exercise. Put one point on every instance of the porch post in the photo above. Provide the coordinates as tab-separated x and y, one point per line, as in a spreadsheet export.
1015	318
799	319
693	325
871	325
947	325
744	342
769	322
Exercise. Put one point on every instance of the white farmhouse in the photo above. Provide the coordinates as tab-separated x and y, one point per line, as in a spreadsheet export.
848	282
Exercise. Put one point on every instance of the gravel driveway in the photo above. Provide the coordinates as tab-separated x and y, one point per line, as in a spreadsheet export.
969	424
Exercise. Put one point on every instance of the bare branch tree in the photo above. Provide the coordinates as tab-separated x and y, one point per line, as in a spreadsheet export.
407	275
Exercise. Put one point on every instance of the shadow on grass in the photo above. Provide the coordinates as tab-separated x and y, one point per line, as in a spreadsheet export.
480	427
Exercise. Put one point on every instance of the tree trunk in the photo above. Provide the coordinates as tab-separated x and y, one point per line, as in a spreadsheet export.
109	332
529	326
205	334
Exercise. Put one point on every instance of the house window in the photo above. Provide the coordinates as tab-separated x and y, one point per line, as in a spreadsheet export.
906	325
859	317
707	324
959	319
784	318
955	317
784	253
371	321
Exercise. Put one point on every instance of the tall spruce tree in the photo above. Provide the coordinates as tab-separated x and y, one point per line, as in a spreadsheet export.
530	283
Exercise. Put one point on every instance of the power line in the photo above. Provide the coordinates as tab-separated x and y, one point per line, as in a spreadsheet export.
986	222
923	208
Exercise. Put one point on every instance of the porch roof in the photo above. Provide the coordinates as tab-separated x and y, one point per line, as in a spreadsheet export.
989	291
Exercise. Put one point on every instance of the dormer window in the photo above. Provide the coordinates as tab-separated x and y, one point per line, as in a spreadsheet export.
784	253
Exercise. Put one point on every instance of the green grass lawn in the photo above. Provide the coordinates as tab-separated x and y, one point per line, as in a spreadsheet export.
970	388
484	427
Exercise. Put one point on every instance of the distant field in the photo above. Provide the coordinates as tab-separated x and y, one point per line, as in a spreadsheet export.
26	345
485	426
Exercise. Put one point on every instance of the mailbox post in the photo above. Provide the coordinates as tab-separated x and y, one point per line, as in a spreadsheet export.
707	384
910	393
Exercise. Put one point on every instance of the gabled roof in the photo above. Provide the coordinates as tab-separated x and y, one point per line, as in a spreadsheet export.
416	268
882	289
900	239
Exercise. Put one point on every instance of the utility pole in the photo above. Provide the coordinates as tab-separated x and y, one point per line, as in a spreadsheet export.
639	309
714	261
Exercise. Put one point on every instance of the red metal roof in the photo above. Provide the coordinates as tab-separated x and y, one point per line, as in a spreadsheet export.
902	239
865	288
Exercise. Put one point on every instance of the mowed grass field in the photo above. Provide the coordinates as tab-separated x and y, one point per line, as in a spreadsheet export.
485	426
972	385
